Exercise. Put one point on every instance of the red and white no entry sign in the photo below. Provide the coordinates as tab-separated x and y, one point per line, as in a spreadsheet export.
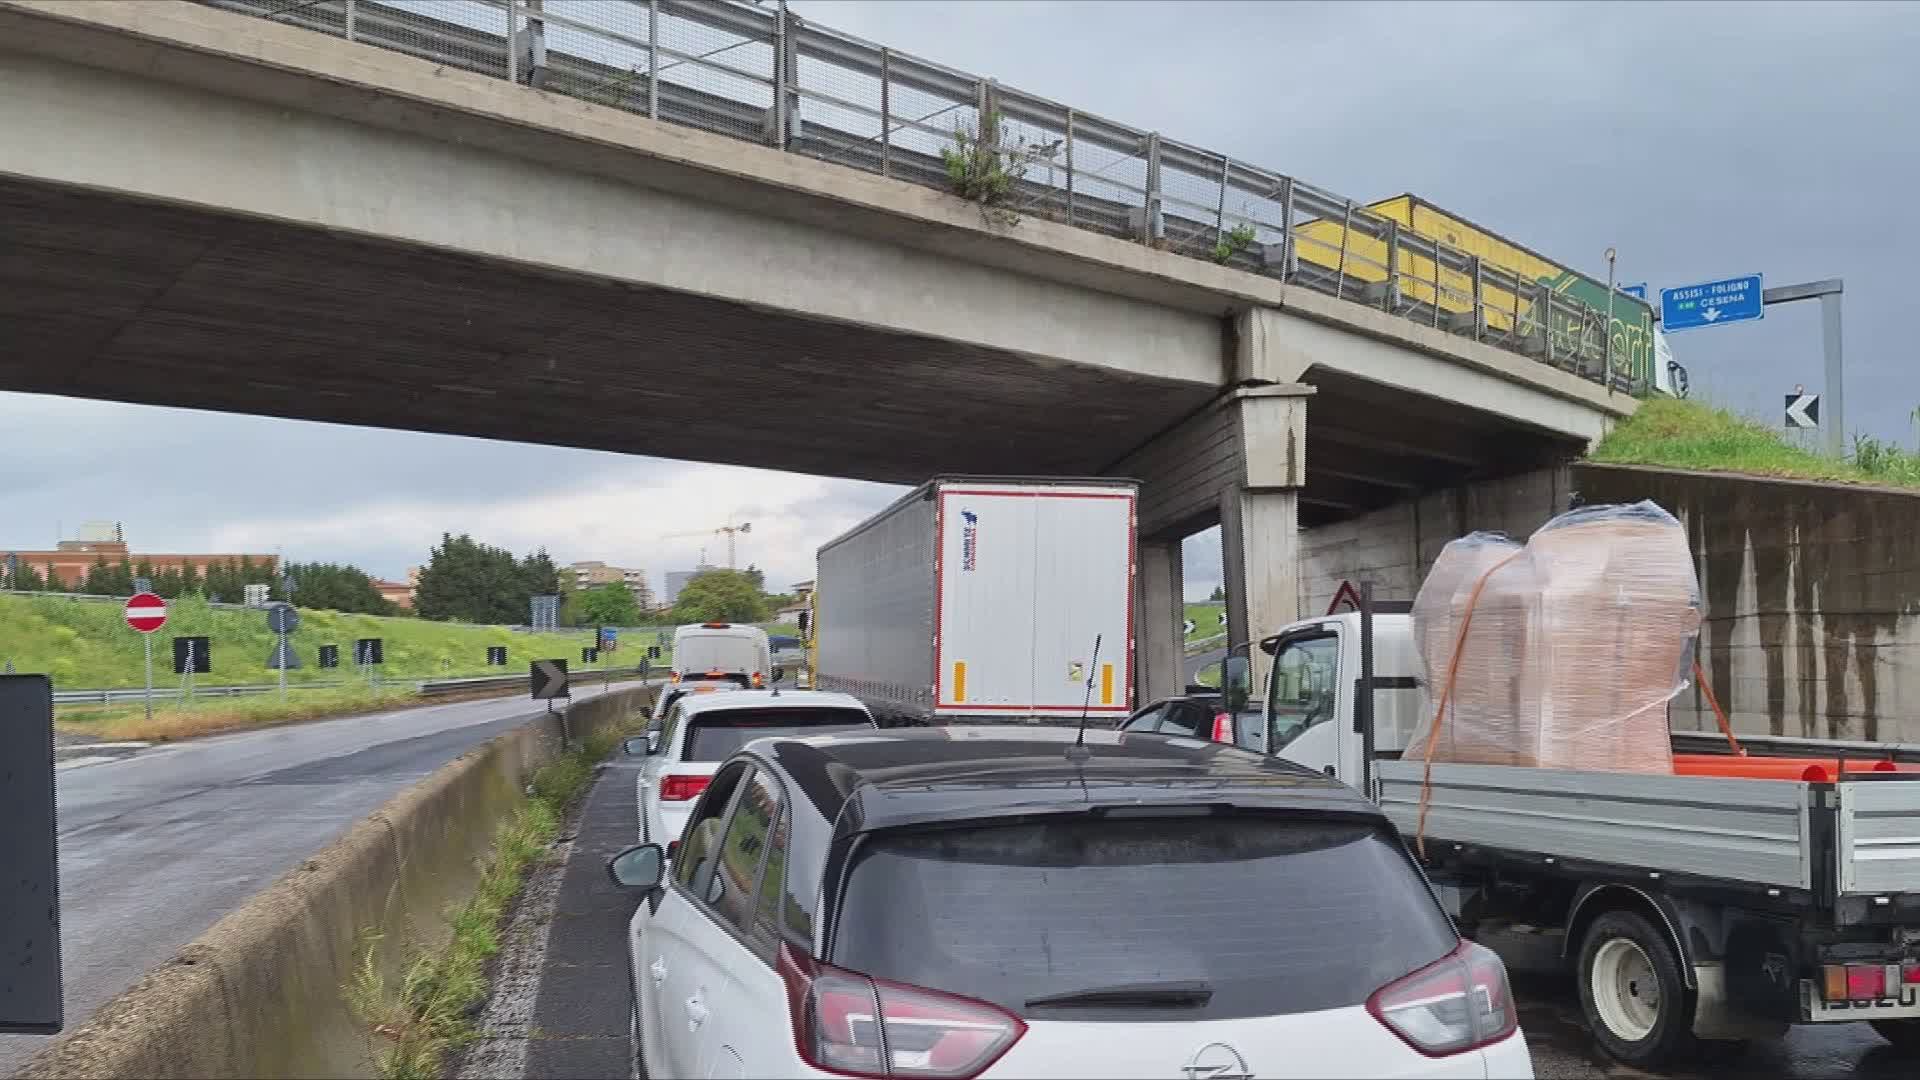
146	612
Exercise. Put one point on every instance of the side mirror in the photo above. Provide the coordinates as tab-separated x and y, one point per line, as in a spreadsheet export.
1236	682
640	867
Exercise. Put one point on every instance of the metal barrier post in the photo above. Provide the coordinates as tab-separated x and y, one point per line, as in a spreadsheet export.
1069	166
886	110
1479	293
1220	211
1150	203
1436	284
1287	249
653	60
352	14
1390	301
1346	230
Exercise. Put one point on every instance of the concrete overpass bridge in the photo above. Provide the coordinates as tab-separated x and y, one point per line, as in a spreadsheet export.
359	214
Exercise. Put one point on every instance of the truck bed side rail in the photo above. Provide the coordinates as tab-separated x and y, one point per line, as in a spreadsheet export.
1756	832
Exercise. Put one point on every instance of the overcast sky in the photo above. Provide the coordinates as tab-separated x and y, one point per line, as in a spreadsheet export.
1701	141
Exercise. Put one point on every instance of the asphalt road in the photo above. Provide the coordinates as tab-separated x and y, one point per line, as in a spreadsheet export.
1201	660
157	846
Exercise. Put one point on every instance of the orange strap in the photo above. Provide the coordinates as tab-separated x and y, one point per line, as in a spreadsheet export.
1446	694
1700	677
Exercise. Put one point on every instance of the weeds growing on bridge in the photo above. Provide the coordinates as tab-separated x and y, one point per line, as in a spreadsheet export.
986	167
411	1026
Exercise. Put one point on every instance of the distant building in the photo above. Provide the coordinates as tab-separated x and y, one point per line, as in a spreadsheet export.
589	573
677	580
399	594
71	559
802	592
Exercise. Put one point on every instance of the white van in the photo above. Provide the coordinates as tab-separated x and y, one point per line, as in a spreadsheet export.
718	650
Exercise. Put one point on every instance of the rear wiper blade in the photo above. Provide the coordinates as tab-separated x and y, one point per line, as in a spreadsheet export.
1189	993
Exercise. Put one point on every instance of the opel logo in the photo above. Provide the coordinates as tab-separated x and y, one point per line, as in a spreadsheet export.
1216	1061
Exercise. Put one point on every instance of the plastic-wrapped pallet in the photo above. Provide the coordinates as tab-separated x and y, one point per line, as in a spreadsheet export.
1576	643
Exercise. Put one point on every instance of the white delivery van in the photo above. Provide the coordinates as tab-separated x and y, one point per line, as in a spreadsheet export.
718	650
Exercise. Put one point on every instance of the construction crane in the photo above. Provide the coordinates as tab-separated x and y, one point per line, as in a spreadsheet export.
732	533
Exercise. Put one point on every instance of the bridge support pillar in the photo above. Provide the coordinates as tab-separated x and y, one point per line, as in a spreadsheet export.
1238	463
1158	621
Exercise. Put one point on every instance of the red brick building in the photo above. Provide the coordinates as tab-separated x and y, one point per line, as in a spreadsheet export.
71	559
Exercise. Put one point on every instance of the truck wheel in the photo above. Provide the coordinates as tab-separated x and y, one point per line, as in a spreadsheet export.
1903	1034
1631	991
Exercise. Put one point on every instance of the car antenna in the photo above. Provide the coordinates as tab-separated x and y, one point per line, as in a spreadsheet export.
1078	752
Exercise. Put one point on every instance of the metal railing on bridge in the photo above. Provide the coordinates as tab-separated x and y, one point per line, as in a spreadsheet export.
760	73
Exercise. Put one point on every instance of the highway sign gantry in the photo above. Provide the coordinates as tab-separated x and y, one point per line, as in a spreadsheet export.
1712	303
146	612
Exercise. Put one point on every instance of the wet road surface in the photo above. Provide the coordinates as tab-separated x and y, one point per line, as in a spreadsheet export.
1562	1049
156	846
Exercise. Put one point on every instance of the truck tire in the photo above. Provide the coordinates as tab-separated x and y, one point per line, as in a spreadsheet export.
1903	1034
1631	991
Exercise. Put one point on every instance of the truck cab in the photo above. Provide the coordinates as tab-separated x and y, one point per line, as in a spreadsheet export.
1312	695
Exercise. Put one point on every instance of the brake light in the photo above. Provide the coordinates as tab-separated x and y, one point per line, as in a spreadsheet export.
843	1019
716	626
1866	982
1457	1003
677	788
1222	728
759	679
676	677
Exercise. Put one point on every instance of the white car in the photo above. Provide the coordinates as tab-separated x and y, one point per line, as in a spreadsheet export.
959	902
699	731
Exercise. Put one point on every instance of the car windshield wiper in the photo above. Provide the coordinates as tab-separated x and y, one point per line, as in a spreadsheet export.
1189	993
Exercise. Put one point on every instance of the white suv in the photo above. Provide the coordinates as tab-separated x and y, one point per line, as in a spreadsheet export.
699	731
995	901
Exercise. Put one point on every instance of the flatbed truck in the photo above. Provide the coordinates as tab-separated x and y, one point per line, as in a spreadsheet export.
1688	908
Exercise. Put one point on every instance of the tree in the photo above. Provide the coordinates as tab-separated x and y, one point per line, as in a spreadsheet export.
719	596
23	577
338	588
109	579
475	582
608	605
1219	593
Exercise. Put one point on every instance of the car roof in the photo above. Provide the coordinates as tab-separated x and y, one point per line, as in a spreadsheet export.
695	704
891	777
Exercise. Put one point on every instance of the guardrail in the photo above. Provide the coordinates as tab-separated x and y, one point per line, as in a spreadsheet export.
764	75
423	687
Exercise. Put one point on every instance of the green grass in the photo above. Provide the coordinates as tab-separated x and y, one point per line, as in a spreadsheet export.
174	719
1693	435
1206	620
85	644
413	1025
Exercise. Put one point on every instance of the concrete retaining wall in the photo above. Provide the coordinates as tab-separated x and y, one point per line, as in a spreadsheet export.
1812	591
260	993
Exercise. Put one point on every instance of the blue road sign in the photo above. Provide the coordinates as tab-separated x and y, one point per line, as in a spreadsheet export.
1711	303
1637	290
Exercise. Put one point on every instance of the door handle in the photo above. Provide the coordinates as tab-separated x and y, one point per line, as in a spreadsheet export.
658	969
696	1013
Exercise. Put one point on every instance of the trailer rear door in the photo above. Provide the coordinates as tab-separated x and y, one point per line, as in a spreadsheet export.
1029	575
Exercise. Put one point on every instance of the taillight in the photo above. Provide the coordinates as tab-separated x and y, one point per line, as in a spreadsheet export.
677	788
1866	982
1459	1002
675	678
842	1019
1222	728
759	679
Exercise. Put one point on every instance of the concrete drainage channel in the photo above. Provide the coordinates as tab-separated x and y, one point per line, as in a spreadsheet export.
261	992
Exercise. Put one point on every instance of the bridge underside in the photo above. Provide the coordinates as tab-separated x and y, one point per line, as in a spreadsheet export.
108	297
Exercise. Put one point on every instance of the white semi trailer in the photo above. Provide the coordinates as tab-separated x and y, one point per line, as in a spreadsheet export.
983	598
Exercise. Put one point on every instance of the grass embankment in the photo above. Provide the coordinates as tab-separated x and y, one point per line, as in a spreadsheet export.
1693	435
85	644
414	1024
1205	618
174	719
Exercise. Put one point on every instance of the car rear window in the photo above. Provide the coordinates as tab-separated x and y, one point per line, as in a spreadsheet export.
1273	916
714	736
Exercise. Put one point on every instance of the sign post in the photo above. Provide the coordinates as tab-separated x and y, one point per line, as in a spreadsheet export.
146	613
283	619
